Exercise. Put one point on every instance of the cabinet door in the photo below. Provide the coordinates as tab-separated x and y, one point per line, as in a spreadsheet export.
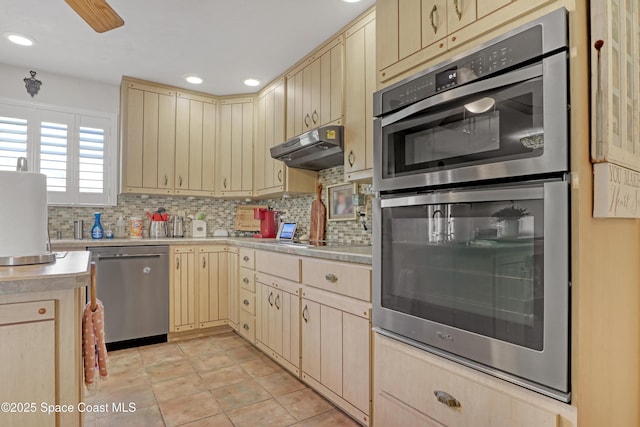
195	141
310	328
387	34
278	132
409	26
275	321
434	21
264	294
213	287
148	138
270	131
331	345
234	288
308	89
260	146
298	114
360	85
291	328
235	148
460	13
356	350
183	289
28	352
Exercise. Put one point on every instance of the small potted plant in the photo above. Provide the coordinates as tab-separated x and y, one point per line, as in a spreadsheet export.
508	220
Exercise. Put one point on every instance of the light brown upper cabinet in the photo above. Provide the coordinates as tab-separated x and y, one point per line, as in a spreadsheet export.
615	83
314	89
195	144
148	137
234	152
360	79
273	177
413	34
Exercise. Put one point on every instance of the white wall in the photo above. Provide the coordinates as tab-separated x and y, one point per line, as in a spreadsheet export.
59	90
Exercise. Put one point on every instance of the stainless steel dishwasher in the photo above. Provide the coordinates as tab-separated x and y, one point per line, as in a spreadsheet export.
133	284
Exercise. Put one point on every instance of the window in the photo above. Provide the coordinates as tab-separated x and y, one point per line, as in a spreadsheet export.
76	151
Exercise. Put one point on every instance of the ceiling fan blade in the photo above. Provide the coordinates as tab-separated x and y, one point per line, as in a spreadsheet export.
97	13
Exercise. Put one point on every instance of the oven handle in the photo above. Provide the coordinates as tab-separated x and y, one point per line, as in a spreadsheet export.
508	79
470	196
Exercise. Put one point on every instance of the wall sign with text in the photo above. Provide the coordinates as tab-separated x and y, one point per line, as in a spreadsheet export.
616	191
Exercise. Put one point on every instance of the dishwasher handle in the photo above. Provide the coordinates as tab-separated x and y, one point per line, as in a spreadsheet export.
124	256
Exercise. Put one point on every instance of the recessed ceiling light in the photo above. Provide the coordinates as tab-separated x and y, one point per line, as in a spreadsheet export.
351	1
20	39
194	80
251	82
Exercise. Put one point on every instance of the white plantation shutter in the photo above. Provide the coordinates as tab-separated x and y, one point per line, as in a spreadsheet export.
13	141
76	151
54	154
91	160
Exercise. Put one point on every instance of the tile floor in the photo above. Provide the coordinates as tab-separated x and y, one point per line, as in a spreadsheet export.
213	381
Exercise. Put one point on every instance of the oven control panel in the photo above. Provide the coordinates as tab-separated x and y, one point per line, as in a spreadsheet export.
502	55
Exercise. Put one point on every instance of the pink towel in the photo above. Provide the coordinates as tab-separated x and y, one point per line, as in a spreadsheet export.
93	345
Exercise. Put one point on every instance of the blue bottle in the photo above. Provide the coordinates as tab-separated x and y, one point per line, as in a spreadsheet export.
97	232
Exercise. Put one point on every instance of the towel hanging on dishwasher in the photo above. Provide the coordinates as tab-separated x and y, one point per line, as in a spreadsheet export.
94	348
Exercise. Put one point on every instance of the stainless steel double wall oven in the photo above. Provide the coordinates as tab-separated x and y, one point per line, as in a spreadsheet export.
471	226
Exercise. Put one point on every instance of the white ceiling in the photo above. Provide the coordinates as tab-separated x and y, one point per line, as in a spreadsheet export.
222	41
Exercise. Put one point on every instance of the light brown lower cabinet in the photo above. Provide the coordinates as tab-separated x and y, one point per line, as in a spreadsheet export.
203	289
278	320
40	350
336	350
416	388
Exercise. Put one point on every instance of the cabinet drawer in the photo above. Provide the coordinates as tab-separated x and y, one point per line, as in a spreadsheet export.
247	279
248	301
247	327
427	384
342	278
27	312
281	265
247	258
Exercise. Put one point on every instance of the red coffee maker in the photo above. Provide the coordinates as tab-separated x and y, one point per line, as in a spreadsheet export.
268	223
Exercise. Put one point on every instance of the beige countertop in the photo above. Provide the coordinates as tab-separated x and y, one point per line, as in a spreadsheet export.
360	254
70	270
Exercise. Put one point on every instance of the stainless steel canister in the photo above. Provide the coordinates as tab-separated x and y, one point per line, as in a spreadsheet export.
78	229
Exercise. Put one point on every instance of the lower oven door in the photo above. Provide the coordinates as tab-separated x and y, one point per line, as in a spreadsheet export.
481	276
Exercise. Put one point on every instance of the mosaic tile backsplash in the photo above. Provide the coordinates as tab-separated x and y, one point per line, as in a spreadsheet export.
220	214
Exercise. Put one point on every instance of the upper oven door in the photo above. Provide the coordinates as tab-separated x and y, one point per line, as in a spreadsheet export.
512	125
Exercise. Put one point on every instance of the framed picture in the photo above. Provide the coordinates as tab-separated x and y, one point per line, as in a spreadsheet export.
340	202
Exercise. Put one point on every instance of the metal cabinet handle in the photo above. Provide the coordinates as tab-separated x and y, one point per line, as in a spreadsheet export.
166	179
246	327
280	175
351	158
307	120
224	183
446	399
432	15
456	3
331	278
269	299
276	303
178	263
204	262
305	310
42	310
245	280
315	117
245	302
179	181
245	258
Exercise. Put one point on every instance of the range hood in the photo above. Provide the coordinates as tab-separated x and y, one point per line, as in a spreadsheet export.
318	149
